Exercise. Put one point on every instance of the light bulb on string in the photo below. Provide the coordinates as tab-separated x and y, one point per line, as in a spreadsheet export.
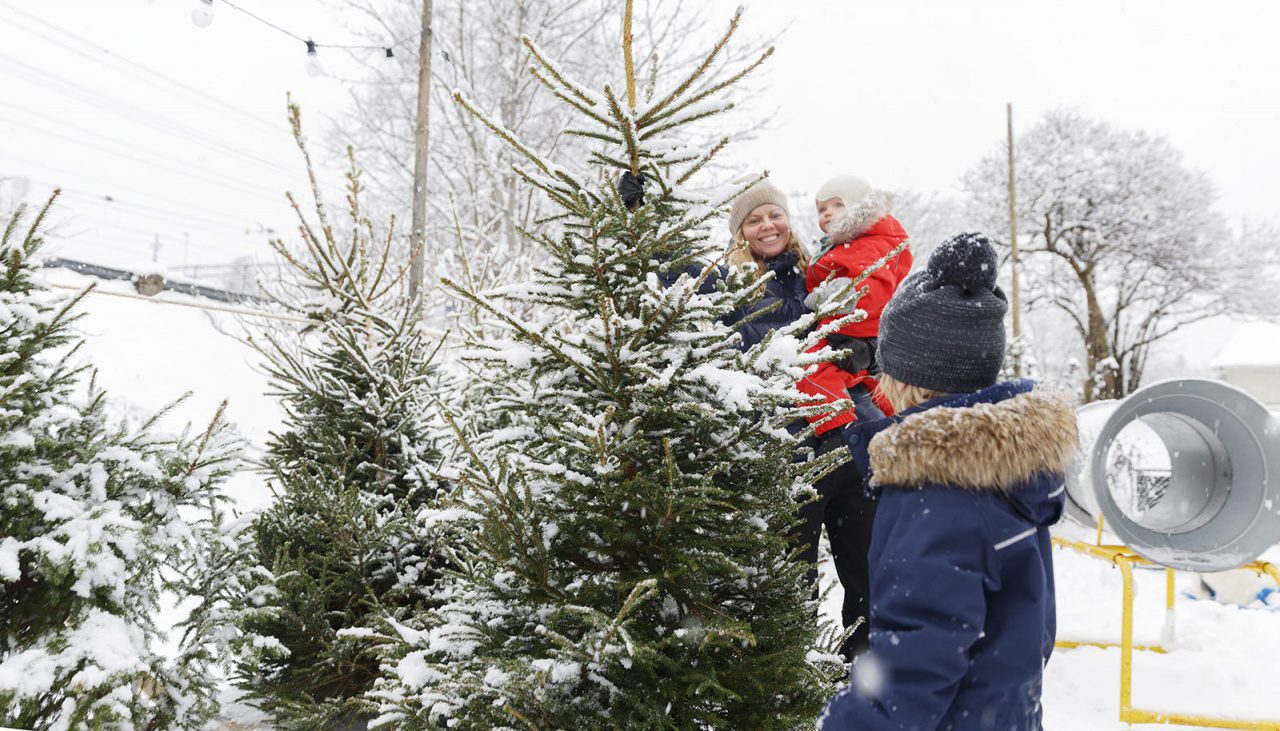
390	55
313	60
202	15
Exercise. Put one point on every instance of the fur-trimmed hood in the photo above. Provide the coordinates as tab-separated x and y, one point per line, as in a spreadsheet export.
998	439
859	217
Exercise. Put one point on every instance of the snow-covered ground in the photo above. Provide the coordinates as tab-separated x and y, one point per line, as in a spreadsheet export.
1225	660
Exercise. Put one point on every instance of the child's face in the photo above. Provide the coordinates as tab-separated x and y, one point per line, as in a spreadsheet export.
828	211
766	230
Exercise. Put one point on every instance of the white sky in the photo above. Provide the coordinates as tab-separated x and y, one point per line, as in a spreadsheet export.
908	93
911	93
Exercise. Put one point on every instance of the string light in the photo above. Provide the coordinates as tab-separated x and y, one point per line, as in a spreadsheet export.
313	60
202	14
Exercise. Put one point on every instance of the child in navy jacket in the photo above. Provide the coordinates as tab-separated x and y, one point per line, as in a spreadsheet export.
970	474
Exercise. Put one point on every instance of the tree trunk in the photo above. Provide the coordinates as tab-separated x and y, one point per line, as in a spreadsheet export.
1102	377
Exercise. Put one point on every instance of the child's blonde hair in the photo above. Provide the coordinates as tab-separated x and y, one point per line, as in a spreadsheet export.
903	395
742	255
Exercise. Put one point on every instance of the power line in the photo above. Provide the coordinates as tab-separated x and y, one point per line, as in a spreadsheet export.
180	86
112	199
173	224
244	311
144	116
225	182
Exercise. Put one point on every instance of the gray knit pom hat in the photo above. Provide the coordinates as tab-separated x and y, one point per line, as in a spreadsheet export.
944	328
757	195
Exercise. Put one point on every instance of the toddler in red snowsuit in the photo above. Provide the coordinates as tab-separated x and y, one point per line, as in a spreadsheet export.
859	232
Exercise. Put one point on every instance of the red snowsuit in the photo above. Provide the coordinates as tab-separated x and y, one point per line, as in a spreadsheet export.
855	246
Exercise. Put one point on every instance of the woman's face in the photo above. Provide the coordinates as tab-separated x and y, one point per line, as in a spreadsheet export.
766	230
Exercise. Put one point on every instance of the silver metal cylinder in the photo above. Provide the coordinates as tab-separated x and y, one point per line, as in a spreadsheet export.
1185	472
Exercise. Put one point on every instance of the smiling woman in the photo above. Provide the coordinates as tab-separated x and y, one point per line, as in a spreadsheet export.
760	220
762	236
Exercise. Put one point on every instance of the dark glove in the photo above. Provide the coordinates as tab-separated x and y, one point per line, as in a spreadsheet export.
631	190
858	354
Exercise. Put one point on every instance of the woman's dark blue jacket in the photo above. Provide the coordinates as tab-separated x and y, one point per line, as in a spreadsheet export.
962	594
786	289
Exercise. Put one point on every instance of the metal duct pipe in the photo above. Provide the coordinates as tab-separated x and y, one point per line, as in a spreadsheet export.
1185	472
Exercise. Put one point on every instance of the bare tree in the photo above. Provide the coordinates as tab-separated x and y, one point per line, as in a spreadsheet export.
1122	238
929	218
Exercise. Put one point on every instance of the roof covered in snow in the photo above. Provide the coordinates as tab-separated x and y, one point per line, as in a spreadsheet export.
1254	344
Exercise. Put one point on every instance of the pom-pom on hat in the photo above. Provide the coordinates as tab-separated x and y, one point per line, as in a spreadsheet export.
944	328
752	198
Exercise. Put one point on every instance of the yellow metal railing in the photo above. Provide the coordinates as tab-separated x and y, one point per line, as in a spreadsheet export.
1126	559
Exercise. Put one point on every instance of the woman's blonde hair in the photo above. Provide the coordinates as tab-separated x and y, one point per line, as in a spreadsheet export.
903	395
742	255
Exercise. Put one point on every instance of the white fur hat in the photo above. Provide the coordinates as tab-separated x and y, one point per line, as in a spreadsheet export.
850	189
752	198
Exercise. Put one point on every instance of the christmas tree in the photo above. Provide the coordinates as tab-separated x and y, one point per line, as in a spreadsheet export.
354	464
633	565
96	523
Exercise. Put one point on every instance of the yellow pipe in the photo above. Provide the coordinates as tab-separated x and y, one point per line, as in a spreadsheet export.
1068	644
1122	557
1135	715
1099	539
1269	569
1126	635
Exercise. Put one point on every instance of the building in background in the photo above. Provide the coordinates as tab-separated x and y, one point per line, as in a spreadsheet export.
1250	361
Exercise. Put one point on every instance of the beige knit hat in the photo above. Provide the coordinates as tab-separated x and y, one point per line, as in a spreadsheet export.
850	189
757	195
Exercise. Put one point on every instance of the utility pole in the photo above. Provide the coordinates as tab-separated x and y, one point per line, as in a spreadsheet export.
1013	254
418	236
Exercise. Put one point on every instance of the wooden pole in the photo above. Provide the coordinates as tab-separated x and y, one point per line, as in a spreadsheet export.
1013	253
418	234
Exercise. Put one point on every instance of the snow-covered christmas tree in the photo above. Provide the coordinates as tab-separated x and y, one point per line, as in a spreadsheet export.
96	522
353	465
633	565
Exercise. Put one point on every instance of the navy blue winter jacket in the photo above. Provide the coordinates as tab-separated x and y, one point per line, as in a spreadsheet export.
962	596
786	289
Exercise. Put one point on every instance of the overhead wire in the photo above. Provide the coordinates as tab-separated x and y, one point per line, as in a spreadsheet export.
243	311
96	144
218	221
74	90
190	92
144	116
171	226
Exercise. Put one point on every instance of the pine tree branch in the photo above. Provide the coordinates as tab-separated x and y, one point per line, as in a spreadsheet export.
572	101
501	133
653	119
682	121
702	161
702	68
528	334
625	124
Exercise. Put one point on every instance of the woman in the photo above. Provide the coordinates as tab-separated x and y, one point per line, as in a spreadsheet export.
759	219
